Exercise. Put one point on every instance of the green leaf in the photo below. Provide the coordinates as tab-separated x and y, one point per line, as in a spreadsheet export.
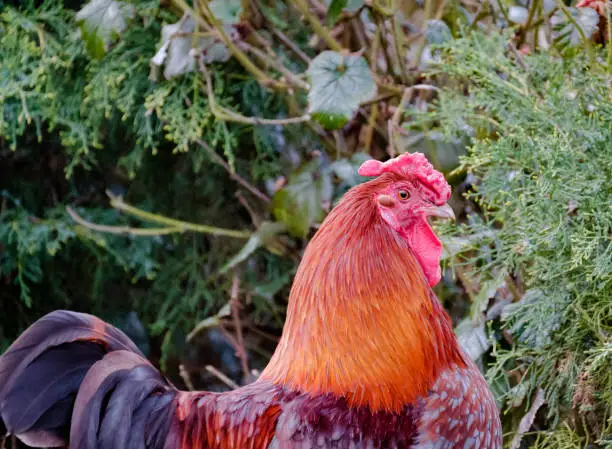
226	11
176	54
265	236
339	84
346	169
437	32
334	10
101	22
300	203
269	289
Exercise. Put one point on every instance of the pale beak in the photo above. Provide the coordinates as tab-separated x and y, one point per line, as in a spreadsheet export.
444	211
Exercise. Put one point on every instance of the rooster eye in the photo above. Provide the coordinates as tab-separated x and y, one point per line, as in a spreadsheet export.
403	194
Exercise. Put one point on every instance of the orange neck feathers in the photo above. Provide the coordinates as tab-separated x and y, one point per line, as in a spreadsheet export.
362	321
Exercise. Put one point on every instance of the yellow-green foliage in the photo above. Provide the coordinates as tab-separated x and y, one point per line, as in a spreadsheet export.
541	154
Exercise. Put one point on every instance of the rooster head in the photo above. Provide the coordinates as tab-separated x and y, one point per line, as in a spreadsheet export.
413	191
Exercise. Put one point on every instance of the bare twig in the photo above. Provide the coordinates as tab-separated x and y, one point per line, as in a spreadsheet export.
523	34
118	203
233	175
374	51
397	115
379	99
519	58
222	377
186	378
369	132
290	45
121	230
259	75
317	26
225	114
235	308
255	218
398	44
274	62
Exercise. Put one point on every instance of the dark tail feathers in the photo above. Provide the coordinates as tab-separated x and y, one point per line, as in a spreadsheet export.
71	376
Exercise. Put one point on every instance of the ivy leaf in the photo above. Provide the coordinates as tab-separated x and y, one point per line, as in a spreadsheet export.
226	11
339	84
177	54
101	22
300	204
265	236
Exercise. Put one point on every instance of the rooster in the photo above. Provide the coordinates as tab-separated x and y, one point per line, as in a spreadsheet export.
367	358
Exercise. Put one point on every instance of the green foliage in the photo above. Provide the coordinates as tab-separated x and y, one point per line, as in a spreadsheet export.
89	104
541	153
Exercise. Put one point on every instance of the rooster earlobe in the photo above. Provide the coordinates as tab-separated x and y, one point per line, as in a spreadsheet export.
371	168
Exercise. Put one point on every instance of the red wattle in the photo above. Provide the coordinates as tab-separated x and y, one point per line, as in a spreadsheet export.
427	249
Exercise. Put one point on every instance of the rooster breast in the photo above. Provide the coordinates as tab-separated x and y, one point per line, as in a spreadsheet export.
460	412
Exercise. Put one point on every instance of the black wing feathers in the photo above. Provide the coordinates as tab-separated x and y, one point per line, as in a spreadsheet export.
71	376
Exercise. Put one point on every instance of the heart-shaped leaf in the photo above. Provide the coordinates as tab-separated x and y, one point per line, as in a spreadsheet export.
339	84
101	22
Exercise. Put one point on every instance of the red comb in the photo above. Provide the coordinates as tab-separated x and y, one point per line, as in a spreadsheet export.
412	166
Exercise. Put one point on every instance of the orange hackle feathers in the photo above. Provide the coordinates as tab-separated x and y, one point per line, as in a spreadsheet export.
362	322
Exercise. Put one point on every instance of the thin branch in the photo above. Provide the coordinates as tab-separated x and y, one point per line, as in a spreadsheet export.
118	203
255	218
519	58
225	114
291	45
222	377
233	175
120	230
397	115
398	44
369	132
379	99
317	26
259	75
374	51
235	308
523	35
186	378
380	23
275	62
